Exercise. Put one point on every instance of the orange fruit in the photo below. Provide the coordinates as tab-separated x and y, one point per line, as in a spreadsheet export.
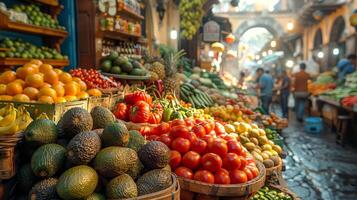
76	79
22	82
59	90
13	88
2	89
44	68
46	85
83	95
31	92
7	77
24	71
21	98
45	99
94	92
71	89
34	80
70	98
5	98
51	77
45	91
82	85
60	100
65	77
58	71
36	62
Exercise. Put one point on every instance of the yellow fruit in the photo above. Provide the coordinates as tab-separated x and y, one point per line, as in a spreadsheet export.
46	85
13	89
44	68
82	85
59	90
71	89
21	98
31	92
2	89
267	147
277	149
51	77
5	97
22	82
70	98
24	71
65	77
48	92
60	100
229	128
58	71
34	80
45	99
83	95
94	92
7	77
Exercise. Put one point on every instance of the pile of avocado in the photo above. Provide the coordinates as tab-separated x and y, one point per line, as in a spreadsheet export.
122	65
89	156
20	49
38	18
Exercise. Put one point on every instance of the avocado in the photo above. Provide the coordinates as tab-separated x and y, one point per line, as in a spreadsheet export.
26	178
136	64
41	131
99	132
113	55
121	187
138	72
101	117
44	190
77	182
74	121
121	60
136	170
154	181
115	70
154	155
114	161
126	67
136	140
83	148
48	159
95	196
115	134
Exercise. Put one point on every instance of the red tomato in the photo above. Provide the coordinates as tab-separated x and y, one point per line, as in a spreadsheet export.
213	133
182	145
138	96
238	176
254	170
177	122
204	176
192	137
218	146
199	131
199	146
152	138
140	112
162	128
231	161
184	172
145	130
243	162
166	139
230	137
219	128
222	177
179	131
191	160
250	159
208	138
208	127
211	162
189	122
249	173
121	111
156	114
234	147
175	159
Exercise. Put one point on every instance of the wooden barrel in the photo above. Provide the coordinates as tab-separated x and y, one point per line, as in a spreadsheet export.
7	155
195	190
170	193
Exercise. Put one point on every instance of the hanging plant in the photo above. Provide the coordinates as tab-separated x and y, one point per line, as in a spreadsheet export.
191	13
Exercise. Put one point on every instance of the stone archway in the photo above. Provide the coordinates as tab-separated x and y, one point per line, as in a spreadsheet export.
318	39
266	22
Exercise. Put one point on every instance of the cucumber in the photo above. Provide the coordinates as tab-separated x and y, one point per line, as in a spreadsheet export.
191	101
186	91
197	103
202	102
183	96
189	86
203	99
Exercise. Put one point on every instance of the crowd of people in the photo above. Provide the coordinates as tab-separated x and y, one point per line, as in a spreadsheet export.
293	87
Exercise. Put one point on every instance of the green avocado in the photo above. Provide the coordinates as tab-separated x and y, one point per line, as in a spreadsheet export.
115	70
44	190
126	67
41	131
74	121
154	181
115	134
154	155
26	178
101	117
138	72
121	187
136	140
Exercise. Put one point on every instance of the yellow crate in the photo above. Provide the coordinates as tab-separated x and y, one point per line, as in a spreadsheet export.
53	111
114	98
99	101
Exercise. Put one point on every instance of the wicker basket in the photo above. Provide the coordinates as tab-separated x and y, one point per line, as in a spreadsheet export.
7	155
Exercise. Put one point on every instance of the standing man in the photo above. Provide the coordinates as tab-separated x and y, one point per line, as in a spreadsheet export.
301	91
265	84
284	93
346	66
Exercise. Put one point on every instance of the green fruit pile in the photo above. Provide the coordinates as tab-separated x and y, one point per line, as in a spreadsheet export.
267	193
37	17
26	50
122	65
191	13
70	160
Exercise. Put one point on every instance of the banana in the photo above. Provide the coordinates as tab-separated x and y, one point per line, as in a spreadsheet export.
8	119
25	121
4	109
10	129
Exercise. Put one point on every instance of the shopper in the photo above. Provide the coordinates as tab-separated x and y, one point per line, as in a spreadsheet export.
301	91
241	80
265	85
346	66
284	93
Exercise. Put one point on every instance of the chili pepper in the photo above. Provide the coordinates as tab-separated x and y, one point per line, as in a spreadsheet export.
167	114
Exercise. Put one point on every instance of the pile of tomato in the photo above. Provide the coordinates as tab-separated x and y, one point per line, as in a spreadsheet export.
202	150
94	79
138	107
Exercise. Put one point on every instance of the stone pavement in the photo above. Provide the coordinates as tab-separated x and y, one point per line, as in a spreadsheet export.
317	168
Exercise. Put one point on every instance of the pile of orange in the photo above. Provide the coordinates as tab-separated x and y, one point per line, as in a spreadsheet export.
38	82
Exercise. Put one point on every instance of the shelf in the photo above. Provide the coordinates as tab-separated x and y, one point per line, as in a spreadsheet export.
54	3
21	61
4	49
127	77
119	35
6	24
131	14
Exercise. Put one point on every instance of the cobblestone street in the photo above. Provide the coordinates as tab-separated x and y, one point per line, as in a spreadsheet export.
317	168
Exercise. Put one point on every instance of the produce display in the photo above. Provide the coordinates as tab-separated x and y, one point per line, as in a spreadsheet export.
349	101
38	82
323	83
267	193
20	49
196	97
38	18
109	162
348	89
13	120
94	79
122	65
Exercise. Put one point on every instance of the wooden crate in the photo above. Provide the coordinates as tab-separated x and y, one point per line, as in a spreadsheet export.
114	98
53	111
99	101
